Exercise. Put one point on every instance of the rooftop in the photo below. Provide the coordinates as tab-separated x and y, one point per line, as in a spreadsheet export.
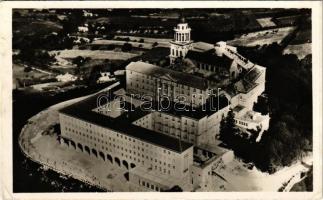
238	108
151	175
168	74
202	46
213	153
252	116
123	124
247	83
210	57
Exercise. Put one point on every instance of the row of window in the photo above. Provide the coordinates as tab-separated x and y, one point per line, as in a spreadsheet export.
183	37
150	186
241	123
132	153
176	126
78	130
183	27
143	78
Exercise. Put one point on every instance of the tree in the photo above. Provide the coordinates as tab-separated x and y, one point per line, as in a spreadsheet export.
155	44
227	127
261	105
175	188
78	61
126	47
71	23
27	69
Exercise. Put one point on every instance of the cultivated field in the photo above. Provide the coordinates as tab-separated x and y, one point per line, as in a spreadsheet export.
160	41
301	50
19	73
266	22
93	54
262	37
144	45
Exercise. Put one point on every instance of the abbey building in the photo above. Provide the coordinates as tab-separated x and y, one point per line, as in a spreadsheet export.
163	148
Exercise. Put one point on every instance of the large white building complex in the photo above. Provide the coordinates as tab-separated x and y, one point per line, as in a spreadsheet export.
174	145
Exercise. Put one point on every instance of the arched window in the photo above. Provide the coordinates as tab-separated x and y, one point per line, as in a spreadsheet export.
173	53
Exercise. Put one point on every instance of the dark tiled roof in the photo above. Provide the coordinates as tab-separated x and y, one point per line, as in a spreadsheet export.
253	74
244	86
209	57
168	74
238	108
123	124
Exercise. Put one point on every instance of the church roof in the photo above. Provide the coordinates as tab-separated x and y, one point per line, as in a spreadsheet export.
202	46
209	57
244	86
168	74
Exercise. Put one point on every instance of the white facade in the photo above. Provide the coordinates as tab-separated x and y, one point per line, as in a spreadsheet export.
66	77
123	149
251	120
198	131
141	82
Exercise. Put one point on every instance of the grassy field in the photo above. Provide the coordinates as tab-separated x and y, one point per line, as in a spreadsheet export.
262	37
19	74
144	45
22	27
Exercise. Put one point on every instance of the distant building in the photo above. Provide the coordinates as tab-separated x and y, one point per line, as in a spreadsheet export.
249	119
105	77
83	29
66	77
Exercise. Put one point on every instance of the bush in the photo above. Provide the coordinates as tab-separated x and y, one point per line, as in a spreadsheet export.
27	69
126	47
155	44
111	47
